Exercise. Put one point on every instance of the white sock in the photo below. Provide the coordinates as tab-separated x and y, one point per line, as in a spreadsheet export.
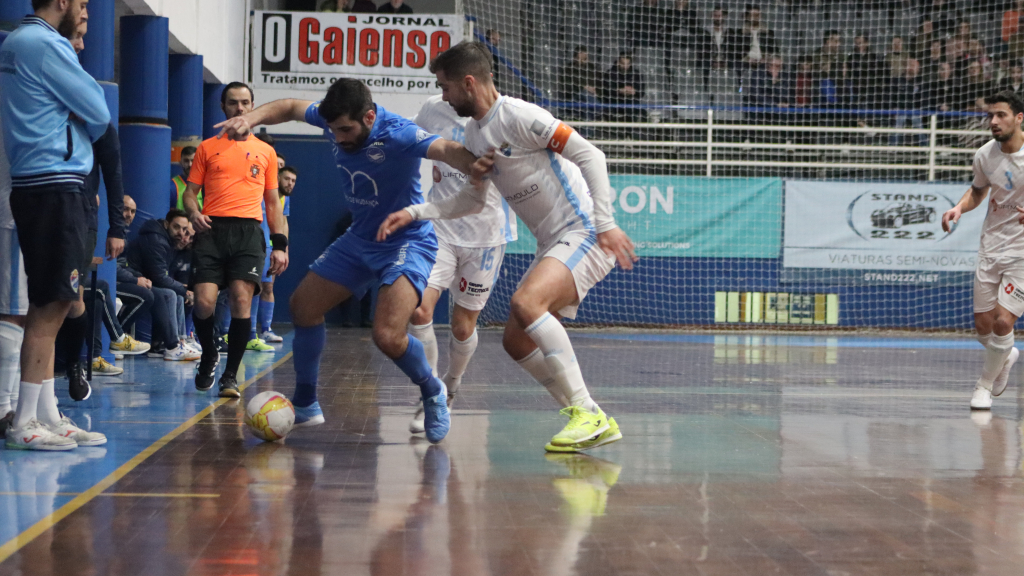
534	364
459	353
985	338
28	400
996	351
46	408
425	334
11	336
552	339
118	340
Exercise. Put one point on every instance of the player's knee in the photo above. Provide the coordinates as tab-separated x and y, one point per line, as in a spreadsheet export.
421	316
525	309
391	342
267	290
1003	326
463	330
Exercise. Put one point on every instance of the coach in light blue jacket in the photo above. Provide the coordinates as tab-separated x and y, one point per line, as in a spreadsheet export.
52	111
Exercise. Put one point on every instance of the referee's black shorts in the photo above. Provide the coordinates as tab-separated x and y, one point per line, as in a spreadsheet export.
233	249
53	224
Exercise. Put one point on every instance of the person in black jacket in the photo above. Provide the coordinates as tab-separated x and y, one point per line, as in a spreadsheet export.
622	84
150	256
751	45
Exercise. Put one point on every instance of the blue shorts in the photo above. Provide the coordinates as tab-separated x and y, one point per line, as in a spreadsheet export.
356	263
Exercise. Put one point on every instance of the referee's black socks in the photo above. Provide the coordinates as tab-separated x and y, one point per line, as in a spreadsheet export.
238	339
204	331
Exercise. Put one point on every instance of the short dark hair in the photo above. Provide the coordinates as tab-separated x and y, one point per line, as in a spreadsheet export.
1008	97
40	4
289	169
280	156
464	59
232	86
831	33
346	97
266	139
188	151
175	213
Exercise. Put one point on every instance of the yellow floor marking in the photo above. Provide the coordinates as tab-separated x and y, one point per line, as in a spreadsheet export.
16	543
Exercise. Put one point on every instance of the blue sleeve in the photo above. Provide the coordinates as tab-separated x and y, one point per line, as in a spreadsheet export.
313	116
413	140
76	89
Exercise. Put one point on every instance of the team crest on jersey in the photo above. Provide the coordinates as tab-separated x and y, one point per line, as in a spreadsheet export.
506	149
74	280
375	155
254	170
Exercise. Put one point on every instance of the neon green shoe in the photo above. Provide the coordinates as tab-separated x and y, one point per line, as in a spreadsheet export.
612	434
582	425
257	345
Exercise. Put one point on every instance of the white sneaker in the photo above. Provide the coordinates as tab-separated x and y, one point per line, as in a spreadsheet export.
67	429
1004	375
182	354
270	337
982	399
416	425
194	344
35	435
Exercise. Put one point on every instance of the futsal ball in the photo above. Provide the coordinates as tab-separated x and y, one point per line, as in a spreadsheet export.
270	416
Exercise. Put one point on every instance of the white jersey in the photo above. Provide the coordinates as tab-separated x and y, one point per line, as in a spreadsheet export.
6	218
546	191
496	224
1002	235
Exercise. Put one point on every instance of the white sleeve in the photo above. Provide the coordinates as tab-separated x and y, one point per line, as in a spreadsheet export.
595	172
468	201
980	179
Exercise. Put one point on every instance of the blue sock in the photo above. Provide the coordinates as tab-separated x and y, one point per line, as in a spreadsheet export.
414	364
306	349
266	315
254	311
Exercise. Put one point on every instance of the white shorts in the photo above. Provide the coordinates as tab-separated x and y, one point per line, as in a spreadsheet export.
999	280
13	281
468	272
579	251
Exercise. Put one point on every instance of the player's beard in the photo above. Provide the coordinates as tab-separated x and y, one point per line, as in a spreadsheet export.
463	109
68	24
364	133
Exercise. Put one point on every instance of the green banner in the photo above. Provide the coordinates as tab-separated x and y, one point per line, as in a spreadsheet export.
693	217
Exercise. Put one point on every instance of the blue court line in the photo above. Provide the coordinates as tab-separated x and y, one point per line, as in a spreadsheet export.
137	410
903	343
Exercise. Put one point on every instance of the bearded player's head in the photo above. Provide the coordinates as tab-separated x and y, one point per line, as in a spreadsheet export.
68	14
464	75
1005	115
349	111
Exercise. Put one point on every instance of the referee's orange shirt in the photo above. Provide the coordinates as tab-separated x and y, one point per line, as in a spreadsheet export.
234	175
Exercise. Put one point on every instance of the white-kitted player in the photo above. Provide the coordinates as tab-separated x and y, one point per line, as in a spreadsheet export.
557	184
999	279
469	255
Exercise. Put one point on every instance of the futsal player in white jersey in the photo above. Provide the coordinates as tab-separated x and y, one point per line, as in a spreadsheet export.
469	255
999	279
13	300
557	184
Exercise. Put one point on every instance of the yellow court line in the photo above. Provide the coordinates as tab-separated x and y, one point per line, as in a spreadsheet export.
16	543
115	494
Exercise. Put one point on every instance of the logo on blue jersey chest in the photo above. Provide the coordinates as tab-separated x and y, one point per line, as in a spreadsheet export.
375	152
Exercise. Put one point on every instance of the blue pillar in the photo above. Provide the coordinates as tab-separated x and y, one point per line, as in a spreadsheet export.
185	104
14	10
212	112
108	270
98	56
145	136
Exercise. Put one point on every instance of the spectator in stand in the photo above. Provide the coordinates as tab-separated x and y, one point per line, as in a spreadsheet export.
896	60
864	72
364	6
923	40
944	94
395	7
1015	48
493	38
975	85
829	52
1011	20
647	24
930	61
828	95
753	43
683	32
718	36
578	81
963	31
134	291
622	84
804	93
1015	81
908	93
943	16
150	256
181	271
188	153
770	88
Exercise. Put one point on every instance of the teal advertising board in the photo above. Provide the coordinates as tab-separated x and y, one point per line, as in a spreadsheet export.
674	216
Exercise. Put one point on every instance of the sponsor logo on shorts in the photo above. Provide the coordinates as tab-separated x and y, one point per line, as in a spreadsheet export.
254	272
401	254
462	285
375	155
1012	291
475	289
74	280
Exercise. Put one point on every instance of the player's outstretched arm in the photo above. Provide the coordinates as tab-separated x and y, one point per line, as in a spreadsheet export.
471	199
275	112
970	200
452	154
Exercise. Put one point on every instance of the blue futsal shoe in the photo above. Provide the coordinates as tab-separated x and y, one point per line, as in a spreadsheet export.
436	418
310	415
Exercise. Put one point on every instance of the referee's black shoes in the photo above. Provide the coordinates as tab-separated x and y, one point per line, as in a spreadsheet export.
78	385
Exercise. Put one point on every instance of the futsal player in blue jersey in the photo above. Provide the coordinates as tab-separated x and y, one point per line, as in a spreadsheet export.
378	154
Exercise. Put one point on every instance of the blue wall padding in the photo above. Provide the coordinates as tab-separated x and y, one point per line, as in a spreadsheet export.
144	67
145	149
185	96
212	113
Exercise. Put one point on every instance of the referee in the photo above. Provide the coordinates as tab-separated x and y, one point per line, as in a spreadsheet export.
237	177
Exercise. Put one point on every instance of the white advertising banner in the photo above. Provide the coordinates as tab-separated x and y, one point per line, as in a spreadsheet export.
878	226
390	52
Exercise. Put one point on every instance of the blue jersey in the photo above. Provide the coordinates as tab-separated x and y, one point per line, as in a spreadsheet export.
384	175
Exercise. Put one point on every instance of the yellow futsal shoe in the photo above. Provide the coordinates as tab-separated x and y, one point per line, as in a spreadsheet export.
257	345
612	434
582	425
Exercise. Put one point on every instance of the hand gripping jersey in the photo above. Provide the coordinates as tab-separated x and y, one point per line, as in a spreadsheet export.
544	189
496	224
1001	235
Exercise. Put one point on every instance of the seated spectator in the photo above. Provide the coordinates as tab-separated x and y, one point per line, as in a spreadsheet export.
864	74
1011	20
622	84
395	7
188	154
804	93
830	52
578	80
770	88
150	256
944	93
753	43
930	61
974	85
718	36
896	60
907	94
646	25
133	291
364	6
181	271
1015	81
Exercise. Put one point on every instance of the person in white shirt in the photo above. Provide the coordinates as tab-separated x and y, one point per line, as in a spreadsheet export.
557	183
999	279
470	251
